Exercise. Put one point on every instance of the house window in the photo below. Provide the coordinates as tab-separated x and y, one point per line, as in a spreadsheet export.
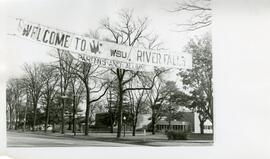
208	127
160	127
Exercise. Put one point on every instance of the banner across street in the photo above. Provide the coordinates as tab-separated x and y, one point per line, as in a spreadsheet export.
106	54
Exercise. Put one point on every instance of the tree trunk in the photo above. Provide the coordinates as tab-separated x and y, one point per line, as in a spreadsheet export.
10	118
15	125
110	112
25	115
80	126
63	117
135	124
111	121
111	127
170	117
153	125
47	116
69	121
25	111
133	130
19	121
35	116
211	109
169	126
202	127
53	127
120	76
86	128
74	116
120	112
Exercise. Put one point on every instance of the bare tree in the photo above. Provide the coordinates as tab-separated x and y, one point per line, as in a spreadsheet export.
112	105
128	31
198	11
27	105
94	83
65	62
14	95
156	97
137	105
51	78
34	83
10	105
78	91
89	74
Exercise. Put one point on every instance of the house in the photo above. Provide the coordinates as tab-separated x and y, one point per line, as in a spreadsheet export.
102	120
189	122
208	126
184	124
143	121
175	125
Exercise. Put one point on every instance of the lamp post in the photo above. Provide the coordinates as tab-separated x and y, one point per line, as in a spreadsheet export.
124	118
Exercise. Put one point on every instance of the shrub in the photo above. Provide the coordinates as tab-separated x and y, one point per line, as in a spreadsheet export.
174	135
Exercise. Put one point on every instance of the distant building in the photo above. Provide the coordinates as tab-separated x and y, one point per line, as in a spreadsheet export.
185	124
102	120
208	126
143	121
188	123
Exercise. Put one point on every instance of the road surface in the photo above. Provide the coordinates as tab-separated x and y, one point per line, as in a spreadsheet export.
33	140
20	139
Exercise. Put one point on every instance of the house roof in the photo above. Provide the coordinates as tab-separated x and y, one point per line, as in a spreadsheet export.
186	118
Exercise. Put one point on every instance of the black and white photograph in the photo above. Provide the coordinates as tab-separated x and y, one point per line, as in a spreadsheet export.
134	79
109	73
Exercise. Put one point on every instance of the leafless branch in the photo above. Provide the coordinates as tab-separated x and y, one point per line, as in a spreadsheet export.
200	10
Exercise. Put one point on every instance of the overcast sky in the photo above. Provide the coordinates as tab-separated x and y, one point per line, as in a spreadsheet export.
79	17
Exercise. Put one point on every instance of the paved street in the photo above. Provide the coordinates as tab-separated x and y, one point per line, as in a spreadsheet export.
32	140
39	139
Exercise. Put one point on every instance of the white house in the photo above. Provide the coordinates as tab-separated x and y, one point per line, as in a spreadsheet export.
208	127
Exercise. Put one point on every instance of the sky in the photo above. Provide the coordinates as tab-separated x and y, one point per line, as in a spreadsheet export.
80	17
